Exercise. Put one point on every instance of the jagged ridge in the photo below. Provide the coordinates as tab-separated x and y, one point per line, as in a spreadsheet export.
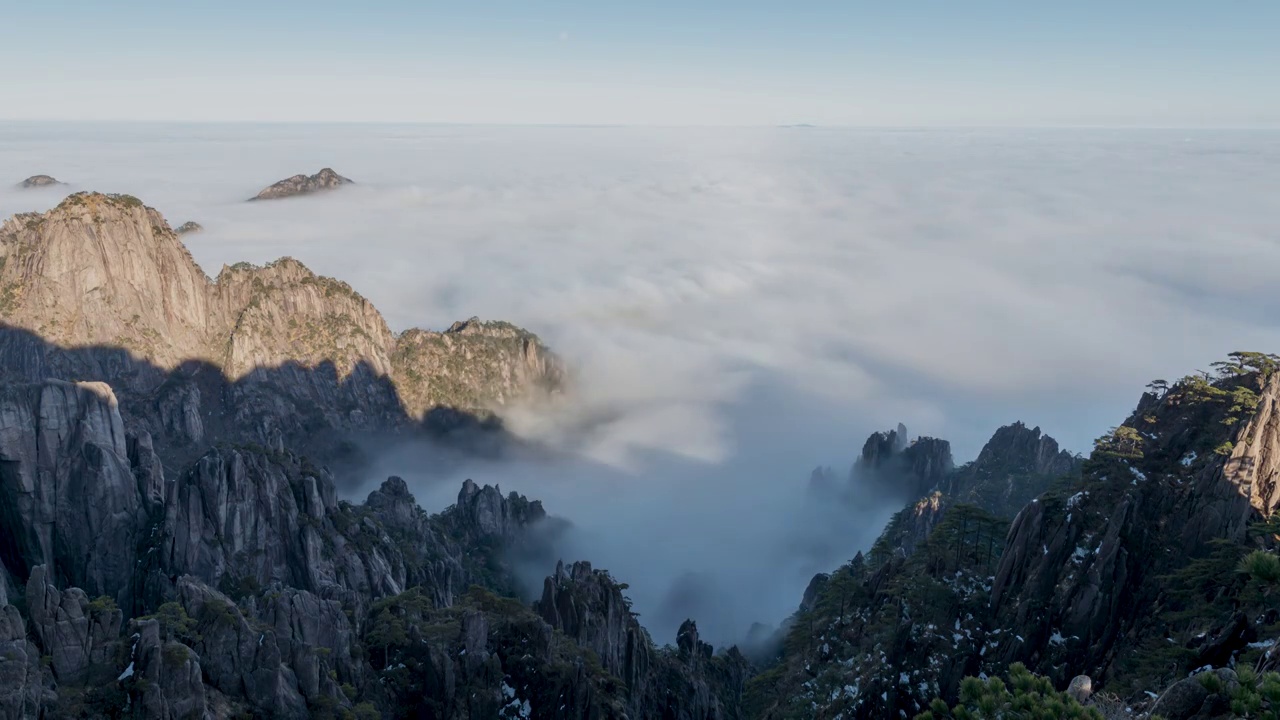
107	271
1129	571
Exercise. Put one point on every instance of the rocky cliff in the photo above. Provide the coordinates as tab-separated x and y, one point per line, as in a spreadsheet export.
1168	495
892	467
240	584
166	550
686	682
326	179
890	630
274	355
1153	558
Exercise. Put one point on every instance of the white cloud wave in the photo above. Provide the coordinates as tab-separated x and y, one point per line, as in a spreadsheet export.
745	304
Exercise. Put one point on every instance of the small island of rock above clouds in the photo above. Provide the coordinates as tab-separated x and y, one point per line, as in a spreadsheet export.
36	181
326	179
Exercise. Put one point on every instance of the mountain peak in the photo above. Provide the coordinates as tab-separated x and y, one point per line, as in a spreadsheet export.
103	272
36	181
901	468
326	179
1021	449
103	269
87	200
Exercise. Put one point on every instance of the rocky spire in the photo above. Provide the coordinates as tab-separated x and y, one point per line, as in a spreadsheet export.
893	468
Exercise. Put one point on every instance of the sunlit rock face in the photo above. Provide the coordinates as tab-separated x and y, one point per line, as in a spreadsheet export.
273	354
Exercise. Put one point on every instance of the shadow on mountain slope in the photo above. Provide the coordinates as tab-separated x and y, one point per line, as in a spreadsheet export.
312	410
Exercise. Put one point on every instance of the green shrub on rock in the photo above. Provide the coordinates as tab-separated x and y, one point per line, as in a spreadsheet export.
1025	697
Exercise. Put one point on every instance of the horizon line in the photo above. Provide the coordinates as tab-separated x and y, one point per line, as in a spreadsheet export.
568	125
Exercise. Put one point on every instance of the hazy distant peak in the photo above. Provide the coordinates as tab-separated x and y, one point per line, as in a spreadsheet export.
39	181
326	179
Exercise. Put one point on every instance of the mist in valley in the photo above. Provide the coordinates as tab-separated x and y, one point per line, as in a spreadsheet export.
739	306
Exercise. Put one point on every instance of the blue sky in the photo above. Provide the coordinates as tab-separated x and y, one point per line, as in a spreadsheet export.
701	63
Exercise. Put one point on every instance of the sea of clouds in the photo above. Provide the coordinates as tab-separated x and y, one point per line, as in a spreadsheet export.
741	305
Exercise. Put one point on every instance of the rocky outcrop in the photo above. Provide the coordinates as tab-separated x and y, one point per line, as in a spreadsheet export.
813	591
1017	449
1191	697
189	227
274	355
484	657
36	181
21	679
1243	480
893	467
882	447
295	569
164	676
429	366
1190	473
260	518
326	179
69	499
494	517
105	269
589	608
913	526
315	638
1016	465
883	635
239	659
80	637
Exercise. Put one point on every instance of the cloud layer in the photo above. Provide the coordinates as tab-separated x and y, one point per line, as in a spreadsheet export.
743	305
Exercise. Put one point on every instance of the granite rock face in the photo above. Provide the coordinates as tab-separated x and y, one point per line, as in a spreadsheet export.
22	681
588	607
1086	565
893	467
1094	576
326	179
78	636
100	288
1016	465
165	676
68	493
245	580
